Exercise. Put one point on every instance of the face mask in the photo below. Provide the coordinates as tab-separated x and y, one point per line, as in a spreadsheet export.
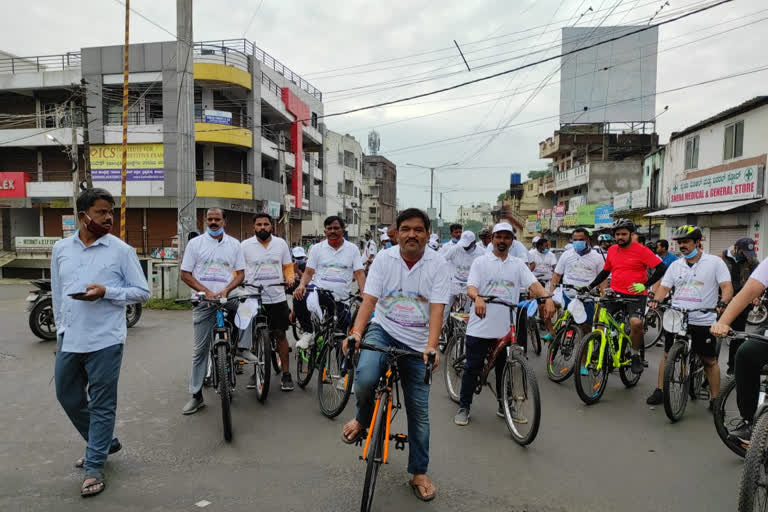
579	245
691	254
545	251
263	234
388	245
218	232
97	229
454	240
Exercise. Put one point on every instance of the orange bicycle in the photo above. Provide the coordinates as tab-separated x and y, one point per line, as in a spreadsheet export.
376	440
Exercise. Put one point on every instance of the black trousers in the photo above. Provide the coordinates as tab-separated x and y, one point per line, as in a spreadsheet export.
739	324
750	359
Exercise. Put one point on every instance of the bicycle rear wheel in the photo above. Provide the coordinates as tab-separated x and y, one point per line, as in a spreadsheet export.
727	417
520	399
305	364
757	314
225	389
262	347
591	381
696	389
677	375
454	367
333	390
534	335
652	327
628	377
561	354
374	457
753	491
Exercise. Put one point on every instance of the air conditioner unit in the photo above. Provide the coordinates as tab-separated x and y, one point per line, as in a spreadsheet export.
354	204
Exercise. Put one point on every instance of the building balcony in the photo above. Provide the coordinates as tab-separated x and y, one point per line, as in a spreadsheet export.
34	137
223	134
40	72
216	62
550	147
268	190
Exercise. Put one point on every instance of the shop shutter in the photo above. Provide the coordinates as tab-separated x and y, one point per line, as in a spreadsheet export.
722	238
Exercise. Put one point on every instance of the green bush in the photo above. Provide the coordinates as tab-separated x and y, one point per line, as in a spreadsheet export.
168	304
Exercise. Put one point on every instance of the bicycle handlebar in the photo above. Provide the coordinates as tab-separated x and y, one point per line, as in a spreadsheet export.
493	299
331	292
684	310
393	353
747	335
200	297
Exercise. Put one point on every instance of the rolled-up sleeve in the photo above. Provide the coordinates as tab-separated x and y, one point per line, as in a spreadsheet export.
441	286
135	287
374	283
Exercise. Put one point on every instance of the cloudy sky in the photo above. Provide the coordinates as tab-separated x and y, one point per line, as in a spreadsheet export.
361	53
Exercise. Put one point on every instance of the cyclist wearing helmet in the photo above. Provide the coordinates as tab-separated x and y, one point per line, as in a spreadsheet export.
604	241
696	278
627	263
485	239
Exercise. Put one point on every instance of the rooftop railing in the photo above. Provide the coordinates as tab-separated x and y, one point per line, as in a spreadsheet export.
69	60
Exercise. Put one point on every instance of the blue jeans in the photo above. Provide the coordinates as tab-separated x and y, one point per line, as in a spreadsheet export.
91	410
475	352
370	368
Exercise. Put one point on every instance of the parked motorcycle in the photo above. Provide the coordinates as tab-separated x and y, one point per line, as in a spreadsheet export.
40	309
759	314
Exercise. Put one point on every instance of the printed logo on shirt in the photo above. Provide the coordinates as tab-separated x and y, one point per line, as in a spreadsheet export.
462	273
215	271
334	273
501	289
407	309
265	270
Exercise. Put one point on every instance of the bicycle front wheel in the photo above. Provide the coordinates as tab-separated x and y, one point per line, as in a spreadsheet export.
374	457
520	399
262	347
589	379
677	374
652	328
757	315
628	377
753	491
534	335
333	390
727	417
454	367
561	354
225	389
305	365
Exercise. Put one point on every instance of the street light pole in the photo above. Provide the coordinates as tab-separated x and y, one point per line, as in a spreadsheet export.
432	179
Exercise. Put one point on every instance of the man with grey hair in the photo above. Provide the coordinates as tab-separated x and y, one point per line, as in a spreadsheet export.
213	264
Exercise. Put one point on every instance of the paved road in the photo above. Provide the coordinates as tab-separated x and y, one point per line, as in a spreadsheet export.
616	455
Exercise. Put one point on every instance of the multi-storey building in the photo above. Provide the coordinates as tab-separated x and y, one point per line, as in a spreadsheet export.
344	183
379	193
480	212
257	142
714	177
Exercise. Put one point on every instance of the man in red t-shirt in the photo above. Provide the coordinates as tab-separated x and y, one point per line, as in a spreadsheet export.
627	263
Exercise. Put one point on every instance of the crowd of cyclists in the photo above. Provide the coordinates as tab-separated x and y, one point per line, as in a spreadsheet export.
409	282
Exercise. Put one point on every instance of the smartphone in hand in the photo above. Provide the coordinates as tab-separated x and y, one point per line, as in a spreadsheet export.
78	295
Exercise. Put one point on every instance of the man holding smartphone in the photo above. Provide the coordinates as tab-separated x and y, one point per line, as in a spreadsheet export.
94	275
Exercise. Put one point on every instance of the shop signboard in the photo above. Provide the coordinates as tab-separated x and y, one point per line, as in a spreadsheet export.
559	210
639	199
585	216
217	117
530	226
731	185
13	184
622	202
145	162
36	243
575	202
67	225
603	216
569	220
273	209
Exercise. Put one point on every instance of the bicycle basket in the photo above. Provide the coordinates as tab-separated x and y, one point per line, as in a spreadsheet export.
576	308
673	321
245	313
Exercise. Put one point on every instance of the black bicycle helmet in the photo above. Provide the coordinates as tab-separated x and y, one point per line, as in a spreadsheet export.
687	231
623	224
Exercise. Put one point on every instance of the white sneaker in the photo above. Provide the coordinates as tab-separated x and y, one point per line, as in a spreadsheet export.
247	355
305	340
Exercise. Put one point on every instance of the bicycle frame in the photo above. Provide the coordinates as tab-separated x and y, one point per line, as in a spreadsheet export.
387	383
605	324
221	335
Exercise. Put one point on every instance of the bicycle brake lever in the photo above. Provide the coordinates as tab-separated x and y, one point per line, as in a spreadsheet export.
429	365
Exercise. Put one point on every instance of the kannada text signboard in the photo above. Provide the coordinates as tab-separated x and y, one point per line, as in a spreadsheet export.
145	162
733	185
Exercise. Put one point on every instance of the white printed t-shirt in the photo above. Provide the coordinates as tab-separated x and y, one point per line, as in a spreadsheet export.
503	279
760	273
404	295
334	268
578	270
264	266
544	264
212	261
696	287
461	260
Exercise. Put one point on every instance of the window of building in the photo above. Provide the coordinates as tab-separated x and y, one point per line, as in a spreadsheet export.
340	188
341	158
733	146
350	160
372	210
692	152
314	120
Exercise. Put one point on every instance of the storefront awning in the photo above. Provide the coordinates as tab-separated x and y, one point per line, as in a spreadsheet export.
702	208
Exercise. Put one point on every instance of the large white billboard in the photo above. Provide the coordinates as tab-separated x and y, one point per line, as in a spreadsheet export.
612	82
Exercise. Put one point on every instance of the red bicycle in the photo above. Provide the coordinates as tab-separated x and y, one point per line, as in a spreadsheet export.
519	389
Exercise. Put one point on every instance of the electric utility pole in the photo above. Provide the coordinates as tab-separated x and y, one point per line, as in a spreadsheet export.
185	126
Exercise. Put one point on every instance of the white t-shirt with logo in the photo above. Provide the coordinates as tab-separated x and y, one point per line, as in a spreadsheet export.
264	266
578	270
697	287
212	261
544	264
370	250
503	279
404	295
334	268
461	261
761	273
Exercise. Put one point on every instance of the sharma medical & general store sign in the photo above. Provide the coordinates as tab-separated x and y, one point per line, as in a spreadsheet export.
732	185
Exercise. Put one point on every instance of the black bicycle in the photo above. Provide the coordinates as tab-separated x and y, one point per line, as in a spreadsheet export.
561	354
377	437
684	370
223	349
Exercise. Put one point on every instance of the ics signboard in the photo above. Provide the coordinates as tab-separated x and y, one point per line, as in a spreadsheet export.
145	162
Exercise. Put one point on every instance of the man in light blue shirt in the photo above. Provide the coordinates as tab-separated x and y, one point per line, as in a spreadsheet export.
94	275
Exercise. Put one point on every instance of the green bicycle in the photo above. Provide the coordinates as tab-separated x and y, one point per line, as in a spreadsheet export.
607	347
568	334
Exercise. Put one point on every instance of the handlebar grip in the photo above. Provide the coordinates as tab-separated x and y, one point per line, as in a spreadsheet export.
430	364
347	364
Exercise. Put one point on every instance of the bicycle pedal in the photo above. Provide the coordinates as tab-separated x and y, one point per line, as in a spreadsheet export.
361	439
400	440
